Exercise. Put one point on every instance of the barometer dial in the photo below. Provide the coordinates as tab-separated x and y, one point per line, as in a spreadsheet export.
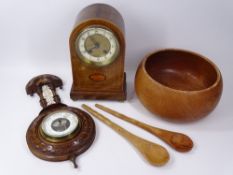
59	124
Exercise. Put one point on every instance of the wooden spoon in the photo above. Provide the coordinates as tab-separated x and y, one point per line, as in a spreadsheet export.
178	141
153	153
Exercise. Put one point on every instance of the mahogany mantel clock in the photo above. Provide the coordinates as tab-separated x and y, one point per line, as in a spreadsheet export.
97	47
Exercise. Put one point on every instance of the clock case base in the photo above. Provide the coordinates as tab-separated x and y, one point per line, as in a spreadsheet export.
120	95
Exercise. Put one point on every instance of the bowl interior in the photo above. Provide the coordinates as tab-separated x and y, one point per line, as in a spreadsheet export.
181	70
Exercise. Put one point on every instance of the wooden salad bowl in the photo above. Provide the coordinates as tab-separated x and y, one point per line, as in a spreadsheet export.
178	85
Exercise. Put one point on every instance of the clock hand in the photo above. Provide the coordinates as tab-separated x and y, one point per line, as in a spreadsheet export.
96	46
90	50
105	51
94	41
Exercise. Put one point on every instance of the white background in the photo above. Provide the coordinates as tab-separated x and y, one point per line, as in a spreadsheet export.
34	40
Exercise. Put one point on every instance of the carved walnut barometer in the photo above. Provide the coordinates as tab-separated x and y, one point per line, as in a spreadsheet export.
97	47
59	132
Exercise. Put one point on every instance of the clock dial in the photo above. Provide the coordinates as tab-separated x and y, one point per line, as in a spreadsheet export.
97	46
59	124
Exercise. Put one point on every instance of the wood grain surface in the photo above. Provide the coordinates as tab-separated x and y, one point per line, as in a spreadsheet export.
155	154
178	141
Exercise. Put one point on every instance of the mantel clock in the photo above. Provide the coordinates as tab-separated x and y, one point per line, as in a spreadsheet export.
97	48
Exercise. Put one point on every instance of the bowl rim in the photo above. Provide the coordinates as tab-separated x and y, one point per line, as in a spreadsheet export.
216	82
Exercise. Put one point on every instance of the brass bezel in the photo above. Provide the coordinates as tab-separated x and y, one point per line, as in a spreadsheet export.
98	64
60	139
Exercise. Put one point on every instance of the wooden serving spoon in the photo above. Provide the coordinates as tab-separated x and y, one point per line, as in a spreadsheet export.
155	154
178	141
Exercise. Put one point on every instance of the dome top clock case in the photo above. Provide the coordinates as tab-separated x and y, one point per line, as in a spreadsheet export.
59	132
97	48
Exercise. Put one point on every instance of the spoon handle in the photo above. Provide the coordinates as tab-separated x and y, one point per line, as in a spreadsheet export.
152	152
178	141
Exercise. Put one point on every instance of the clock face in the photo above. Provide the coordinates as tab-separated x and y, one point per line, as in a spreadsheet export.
97	46
59	124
